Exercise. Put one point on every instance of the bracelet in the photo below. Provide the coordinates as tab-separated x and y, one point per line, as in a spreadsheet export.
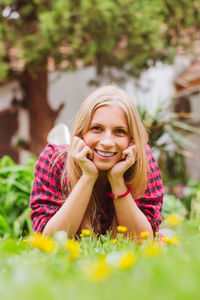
120	196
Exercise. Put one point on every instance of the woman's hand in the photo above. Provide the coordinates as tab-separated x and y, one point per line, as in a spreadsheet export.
83	155
115	174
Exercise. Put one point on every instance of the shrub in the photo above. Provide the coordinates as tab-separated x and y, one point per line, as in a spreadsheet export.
15	187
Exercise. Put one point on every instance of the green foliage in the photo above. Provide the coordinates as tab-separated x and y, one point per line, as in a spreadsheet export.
122	34
168	141
15	187
172	205
191	198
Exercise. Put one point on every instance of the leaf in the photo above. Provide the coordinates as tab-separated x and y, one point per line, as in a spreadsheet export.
14	168
20	221
4	226
181	140
6	161
186	127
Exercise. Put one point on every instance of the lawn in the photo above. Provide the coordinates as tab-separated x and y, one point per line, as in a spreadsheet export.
102	268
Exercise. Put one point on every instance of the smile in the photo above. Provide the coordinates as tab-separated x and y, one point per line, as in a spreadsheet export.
105	154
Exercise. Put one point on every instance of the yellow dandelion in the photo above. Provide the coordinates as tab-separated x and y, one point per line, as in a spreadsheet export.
153	249
173	220
44	243
99	270
25	241
119	240
127	260
173	240
85	232
73	247
144	234
122	229
113	241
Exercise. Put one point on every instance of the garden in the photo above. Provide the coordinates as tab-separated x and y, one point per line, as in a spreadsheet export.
100	267
120	39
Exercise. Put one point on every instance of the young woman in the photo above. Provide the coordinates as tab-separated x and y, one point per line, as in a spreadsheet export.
107	177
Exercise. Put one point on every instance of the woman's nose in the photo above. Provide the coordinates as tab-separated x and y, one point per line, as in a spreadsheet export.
107	140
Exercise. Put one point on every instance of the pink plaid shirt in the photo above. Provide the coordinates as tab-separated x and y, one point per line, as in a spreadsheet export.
46	196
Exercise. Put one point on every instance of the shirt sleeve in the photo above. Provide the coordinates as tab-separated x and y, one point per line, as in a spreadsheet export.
46	197
151	203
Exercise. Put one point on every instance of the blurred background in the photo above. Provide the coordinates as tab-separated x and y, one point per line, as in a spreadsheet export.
53	53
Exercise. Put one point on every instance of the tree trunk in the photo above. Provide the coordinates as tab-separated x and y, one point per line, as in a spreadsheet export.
41	116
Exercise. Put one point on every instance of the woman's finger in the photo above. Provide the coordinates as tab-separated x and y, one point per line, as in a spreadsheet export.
128	154
77	146
82	155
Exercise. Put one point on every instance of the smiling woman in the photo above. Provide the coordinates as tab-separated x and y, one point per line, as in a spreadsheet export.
107	177
107	137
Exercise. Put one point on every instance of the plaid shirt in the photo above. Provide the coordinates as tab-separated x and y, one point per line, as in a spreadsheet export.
46	196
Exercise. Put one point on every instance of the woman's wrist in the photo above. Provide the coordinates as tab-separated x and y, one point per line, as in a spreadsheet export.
118	187
114	196
89	179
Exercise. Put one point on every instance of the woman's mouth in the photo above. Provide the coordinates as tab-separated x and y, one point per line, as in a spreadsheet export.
105	154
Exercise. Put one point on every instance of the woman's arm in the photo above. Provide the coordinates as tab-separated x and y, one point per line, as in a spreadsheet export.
71	213
128	213
142	214
50	212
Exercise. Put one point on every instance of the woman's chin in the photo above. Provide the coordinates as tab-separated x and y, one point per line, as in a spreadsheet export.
103	167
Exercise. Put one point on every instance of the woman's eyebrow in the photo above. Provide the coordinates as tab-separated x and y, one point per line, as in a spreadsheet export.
96	123
115	126
122	126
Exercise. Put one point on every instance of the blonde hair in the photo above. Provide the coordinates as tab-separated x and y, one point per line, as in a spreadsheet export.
136	176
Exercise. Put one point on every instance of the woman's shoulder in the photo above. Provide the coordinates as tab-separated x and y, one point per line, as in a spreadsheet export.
53	154
55	148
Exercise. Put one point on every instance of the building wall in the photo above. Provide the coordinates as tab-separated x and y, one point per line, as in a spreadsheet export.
193	161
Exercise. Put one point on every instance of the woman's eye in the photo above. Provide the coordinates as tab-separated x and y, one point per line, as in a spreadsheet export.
96	128
120	131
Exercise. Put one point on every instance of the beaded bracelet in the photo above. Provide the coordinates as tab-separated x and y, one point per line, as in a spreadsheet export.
120	196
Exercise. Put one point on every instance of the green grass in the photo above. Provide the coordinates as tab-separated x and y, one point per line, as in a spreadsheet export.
28	273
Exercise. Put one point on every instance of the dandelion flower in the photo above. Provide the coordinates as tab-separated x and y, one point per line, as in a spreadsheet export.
173	240
144	234
99	270
127	260
153	249
113	241
43	243
122	228
173	220
25	241
73	247
85	232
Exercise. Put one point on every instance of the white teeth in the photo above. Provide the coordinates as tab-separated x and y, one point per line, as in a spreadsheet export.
106	154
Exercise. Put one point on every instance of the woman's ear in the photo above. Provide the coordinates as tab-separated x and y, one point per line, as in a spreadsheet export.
131	142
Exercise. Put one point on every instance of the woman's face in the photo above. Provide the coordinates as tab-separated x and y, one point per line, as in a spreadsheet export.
108	136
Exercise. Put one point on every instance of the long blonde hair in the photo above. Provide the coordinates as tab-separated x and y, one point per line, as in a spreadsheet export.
136	176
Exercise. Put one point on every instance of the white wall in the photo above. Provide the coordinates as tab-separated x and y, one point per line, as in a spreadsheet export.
70	88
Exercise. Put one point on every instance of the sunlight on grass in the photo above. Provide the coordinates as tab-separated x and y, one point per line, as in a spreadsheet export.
97	267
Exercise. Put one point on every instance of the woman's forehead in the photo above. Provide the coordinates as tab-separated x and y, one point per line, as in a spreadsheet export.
111	113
